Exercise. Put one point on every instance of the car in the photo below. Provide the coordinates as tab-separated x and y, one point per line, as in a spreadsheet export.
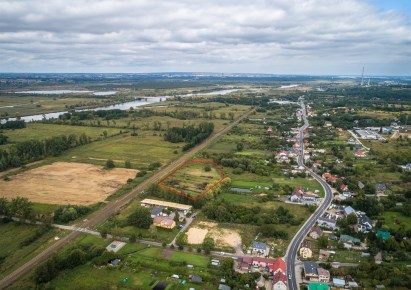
222	253
289	276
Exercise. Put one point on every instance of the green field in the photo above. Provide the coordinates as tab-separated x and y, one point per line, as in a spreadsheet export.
37	131
193	179
31	105
189	258
140	150
12	234
396	220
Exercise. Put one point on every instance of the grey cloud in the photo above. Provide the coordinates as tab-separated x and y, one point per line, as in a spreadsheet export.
273	36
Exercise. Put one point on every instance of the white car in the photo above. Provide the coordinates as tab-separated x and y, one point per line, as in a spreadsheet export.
289	276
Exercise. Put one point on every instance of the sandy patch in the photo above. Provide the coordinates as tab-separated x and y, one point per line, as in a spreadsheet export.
66	183
196	235
221	236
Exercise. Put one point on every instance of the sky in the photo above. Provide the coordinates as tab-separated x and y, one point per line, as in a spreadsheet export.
318	37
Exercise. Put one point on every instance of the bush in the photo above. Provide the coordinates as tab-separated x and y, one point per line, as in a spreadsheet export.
110	164
141	173
127	164
207	168
154	165
67	213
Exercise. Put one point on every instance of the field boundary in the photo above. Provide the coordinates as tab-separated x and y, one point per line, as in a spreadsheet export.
160	184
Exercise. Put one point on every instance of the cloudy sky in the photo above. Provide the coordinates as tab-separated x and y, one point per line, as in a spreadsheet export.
271	36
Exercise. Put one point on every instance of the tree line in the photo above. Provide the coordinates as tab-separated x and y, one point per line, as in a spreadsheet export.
18	124
18	207
192	135
33	150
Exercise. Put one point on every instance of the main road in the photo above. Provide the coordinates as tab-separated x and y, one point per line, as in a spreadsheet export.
292	250
112	207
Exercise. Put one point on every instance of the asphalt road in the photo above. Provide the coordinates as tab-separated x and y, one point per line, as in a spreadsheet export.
111	208
293	248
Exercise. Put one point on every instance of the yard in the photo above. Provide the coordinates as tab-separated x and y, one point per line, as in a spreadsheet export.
396	220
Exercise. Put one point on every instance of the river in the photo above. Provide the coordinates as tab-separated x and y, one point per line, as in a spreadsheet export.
140	101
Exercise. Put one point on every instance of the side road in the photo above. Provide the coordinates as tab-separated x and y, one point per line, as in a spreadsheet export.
113	207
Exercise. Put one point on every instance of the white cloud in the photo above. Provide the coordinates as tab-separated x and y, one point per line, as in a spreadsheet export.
272	36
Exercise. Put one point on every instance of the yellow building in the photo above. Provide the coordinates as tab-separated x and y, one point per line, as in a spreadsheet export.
164	222
305	250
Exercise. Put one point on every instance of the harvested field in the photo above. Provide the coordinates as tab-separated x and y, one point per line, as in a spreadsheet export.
66	183
221	236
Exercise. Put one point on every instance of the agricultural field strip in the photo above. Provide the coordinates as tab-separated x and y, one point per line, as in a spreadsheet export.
114	206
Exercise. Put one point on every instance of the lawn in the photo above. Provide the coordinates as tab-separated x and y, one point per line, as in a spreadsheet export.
396	220
346	256
12	234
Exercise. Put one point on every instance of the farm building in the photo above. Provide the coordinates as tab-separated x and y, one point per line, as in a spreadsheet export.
166	204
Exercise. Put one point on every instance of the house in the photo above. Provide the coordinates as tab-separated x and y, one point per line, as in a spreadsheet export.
262	262
326	175
260	248
306	250
279	281
323	275
349	239
348	210
329	223
364	224
406	167
196	279
353	284
360	185
343	187
360	154
383	235
317	286
278	266
223	287
311	271
115	262
156	211
164	222
380	188
316	232
324	255
339	282
379	287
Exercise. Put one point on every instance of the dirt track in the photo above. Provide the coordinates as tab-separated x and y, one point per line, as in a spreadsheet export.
66	183
111	208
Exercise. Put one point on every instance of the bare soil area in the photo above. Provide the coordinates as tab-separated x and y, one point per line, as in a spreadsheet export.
66	183
221	236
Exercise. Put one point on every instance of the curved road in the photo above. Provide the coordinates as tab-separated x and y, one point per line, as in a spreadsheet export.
292	250
112	208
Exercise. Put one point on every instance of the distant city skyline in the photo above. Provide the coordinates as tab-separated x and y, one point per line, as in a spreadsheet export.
306	37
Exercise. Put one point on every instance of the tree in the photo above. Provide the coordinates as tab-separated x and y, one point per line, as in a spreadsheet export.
176	217
207	168
240	146
352	219
110	164
127	164
20	207
141	218
208	245
4	206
